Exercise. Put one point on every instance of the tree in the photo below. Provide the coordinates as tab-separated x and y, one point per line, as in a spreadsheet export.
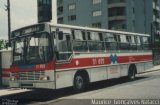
3	44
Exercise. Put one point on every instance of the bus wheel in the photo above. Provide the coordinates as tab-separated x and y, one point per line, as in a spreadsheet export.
79	83
132	73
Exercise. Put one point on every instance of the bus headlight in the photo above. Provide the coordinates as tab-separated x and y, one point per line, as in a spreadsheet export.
12	78
44	78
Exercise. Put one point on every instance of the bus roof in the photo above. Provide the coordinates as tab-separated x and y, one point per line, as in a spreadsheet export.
85	28
96	29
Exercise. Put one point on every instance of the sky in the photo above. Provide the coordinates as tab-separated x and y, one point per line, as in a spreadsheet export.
23	13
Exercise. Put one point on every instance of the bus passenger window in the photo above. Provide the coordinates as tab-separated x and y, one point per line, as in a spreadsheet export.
78	35
110	41
124	43
139	44
133	45
64	48
145	43
96	43
80	42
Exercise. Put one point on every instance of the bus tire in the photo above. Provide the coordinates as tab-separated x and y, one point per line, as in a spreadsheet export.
132	73
79	82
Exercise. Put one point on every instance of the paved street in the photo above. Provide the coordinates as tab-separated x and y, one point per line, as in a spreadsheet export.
146	86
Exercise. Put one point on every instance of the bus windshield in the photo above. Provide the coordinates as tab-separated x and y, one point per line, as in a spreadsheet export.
32	49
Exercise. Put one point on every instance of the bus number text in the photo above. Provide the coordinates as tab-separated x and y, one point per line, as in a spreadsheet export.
99	61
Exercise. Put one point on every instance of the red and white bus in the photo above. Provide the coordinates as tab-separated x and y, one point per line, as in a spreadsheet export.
56	56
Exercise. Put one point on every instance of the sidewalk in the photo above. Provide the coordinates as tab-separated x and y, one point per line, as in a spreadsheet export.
155	68
9	91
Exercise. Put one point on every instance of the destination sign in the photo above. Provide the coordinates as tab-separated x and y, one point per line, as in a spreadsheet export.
28	30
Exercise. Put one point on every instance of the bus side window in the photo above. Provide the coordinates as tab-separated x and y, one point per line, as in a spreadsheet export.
96	42
124	43
110	41
138	42
133	43
64	48
79	41
145	43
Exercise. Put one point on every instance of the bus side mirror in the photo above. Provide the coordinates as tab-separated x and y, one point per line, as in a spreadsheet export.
60	35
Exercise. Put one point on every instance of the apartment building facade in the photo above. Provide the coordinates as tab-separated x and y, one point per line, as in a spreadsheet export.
125	15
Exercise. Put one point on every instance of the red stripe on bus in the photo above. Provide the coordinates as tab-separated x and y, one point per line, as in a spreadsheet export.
137	58
84	62
4	75
6	69
38	67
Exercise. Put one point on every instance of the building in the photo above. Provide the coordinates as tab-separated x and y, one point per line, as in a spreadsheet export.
5	63
83	12
44	10
125	15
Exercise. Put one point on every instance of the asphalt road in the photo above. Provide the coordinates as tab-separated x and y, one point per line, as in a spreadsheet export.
146	86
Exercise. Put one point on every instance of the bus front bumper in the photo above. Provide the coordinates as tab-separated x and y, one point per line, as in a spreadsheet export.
32	84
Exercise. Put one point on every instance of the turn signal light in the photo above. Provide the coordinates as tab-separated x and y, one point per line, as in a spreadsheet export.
45	78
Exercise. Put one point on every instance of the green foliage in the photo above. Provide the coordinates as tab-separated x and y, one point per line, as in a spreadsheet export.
3	44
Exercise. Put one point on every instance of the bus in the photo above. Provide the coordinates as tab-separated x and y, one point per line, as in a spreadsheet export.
54	56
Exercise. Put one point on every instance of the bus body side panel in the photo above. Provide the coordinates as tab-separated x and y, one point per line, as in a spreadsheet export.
124	70
113	71
97	74
64	78
140	67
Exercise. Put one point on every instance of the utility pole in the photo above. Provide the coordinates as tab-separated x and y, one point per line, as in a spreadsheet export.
9	21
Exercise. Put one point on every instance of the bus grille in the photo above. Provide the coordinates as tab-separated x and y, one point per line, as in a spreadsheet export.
32	75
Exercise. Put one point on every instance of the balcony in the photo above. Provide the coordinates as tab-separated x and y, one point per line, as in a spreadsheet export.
59	3
154	17
116	5
60	10
156	7
117	18
158	20
116	1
